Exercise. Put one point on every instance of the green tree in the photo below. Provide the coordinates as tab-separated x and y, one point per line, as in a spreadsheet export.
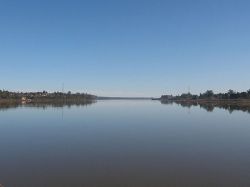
231	92
209	93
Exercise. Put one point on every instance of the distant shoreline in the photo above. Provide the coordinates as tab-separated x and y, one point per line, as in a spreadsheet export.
243	102
124	98
44	97
209	97
19	101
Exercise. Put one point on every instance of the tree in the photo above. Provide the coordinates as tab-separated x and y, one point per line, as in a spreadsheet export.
209	93
230	92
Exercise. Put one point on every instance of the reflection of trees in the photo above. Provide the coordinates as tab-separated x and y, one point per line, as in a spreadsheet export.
208	107
169	102
211	105
5	106
232	108
45	105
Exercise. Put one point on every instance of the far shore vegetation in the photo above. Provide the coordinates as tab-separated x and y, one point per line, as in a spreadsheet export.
7	97
209	95
231	100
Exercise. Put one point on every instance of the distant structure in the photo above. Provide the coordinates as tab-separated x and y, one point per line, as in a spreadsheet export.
24	100
63	87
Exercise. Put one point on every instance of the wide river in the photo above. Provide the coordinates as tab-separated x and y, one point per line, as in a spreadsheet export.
124	143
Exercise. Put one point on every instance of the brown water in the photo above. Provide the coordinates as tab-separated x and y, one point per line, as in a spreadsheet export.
124	144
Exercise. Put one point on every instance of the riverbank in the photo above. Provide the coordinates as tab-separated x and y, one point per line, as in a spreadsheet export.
10	101
240	102
45	100
209	104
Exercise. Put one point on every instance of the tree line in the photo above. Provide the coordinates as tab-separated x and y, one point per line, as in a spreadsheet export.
44	95
209	94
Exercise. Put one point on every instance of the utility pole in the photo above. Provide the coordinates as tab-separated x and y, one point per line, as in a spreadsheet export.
63	87
63	92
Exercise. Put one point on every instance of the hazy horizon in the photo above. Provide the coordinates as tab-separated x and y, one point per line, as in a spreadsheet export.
125	48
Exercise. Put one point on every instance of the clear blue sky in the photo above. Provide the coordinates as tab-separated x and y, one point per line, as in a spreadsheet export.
125	47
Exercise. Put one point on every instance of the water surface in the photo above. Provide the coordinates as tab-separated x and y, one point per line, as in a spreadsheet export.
124	144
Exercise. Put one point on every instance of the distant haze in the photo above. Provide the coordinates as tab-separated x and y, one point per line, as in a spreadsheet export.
125	48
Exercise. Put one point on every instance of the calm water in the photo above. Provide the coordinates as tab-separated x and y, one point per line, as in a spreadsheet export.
124	144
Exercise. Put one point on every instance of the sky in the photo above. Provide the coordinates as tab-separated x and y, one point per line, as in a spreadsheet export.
125	47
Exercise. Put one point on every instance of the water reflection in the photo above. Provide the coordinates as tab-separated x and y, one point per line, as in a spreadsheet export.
44	105
123	143
210	106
